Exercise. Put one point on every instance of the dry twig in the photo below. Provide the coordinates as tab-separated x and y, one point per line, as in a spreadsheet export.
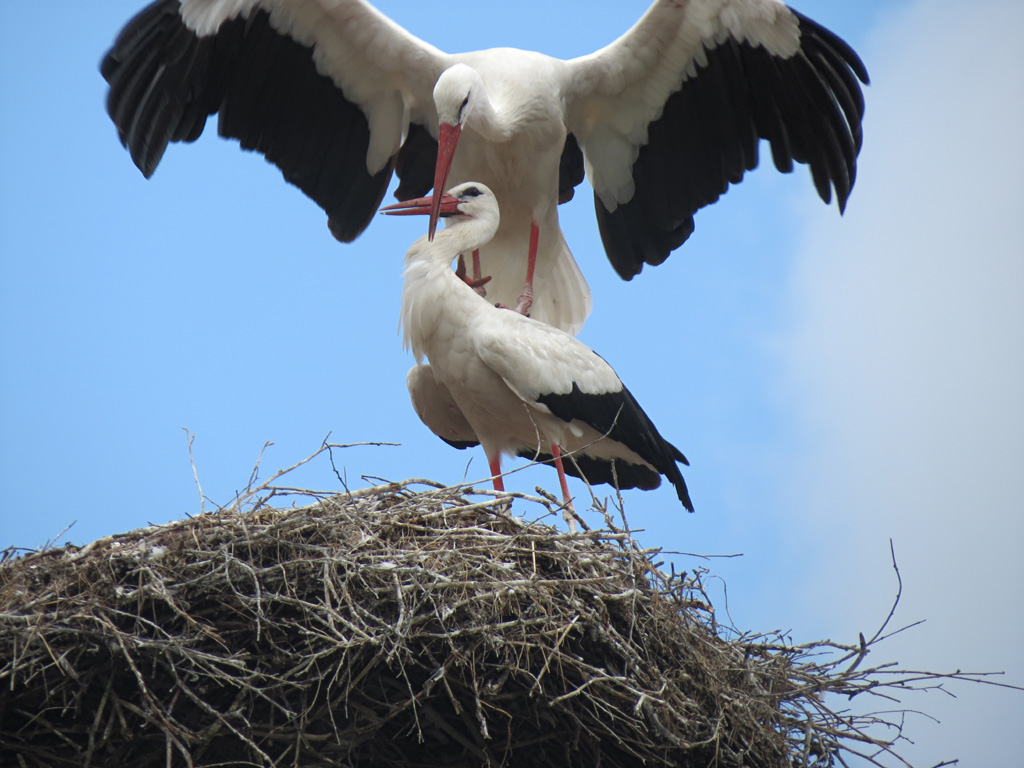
407	624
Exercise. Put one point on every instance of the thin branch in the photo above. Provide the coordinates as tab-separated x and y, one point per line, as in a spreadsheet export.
190	438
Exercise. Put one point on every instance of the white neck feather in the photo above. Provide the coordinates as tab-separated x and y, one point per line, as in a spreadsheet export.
432	294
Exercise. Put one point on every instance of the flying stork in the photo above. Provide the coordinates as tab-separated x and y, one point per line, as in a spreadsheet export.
511	383
662	120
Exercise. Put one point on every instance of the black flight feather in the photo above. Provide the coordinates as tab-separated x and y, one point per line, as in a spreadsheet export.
165	81
619	416
808	107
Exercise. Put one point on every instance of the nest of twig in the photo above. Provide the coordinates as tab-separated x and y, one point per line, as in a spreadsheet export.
395	628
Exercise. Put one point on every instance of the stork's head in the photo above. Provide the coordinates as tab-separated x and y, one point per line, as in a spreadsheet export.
455	93
465	203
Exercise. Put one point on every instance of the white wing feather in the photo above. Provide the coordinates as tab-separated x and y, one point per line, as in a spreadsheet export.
386	71
534	359
616	92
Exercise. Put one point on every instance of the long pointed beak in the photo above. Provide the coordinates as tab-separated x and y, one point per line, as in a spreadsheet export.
434	205
447	140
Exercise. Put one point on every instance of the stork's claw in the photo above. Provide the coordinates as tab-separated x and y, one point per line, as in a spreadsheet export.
499	305
525	302
478	285
476	282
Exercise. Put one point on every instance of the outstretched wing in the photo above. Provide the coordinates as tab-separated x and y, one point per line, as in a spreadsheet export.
670	114
327	91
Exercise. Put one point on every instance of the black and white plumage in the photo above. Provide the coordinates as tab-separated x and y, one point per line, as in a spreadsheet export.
438	410
515	385
662	120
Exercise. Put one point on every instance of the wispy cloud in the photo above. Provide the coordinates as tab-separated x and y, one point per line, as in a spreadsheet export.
907	365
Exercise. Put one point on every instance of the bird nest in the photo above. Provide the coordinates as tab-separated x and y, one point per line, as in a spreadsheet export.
401	625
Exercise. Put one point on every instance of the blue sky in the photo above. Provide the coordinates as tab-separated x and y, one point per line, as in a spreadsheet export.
834	381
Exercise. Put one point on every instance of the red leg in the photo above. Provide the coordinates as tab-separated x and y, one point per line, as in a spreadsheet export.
499	484
526	297
476	266
567	514
479	281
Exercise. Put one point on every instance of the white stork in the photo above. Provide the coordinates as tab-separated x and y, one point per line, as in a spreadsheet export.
663	119
509	382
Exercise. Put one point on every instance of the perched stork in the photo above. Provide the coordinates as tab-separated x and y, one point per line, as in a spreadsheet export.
510	383
662	120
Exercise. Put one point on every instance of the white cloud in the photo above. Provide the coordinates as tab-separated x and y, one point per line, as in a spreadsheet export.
907	370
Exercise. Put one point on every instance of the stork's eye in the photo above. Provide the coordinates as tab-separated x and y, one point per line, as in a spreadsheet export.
471	192
462	108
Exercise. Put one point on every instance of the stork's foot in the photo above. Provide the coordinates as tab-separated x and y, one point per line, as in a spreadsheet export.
499	305
478	285
476	282
569	515
525	302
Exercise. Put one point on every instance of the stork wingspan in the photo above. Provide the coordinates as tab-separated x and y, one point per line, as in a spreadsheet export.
671	113
663	120
303	83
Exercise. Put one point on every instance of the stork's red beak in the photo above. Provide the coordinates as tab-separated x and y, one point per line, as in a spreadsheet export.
447	140
435	205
